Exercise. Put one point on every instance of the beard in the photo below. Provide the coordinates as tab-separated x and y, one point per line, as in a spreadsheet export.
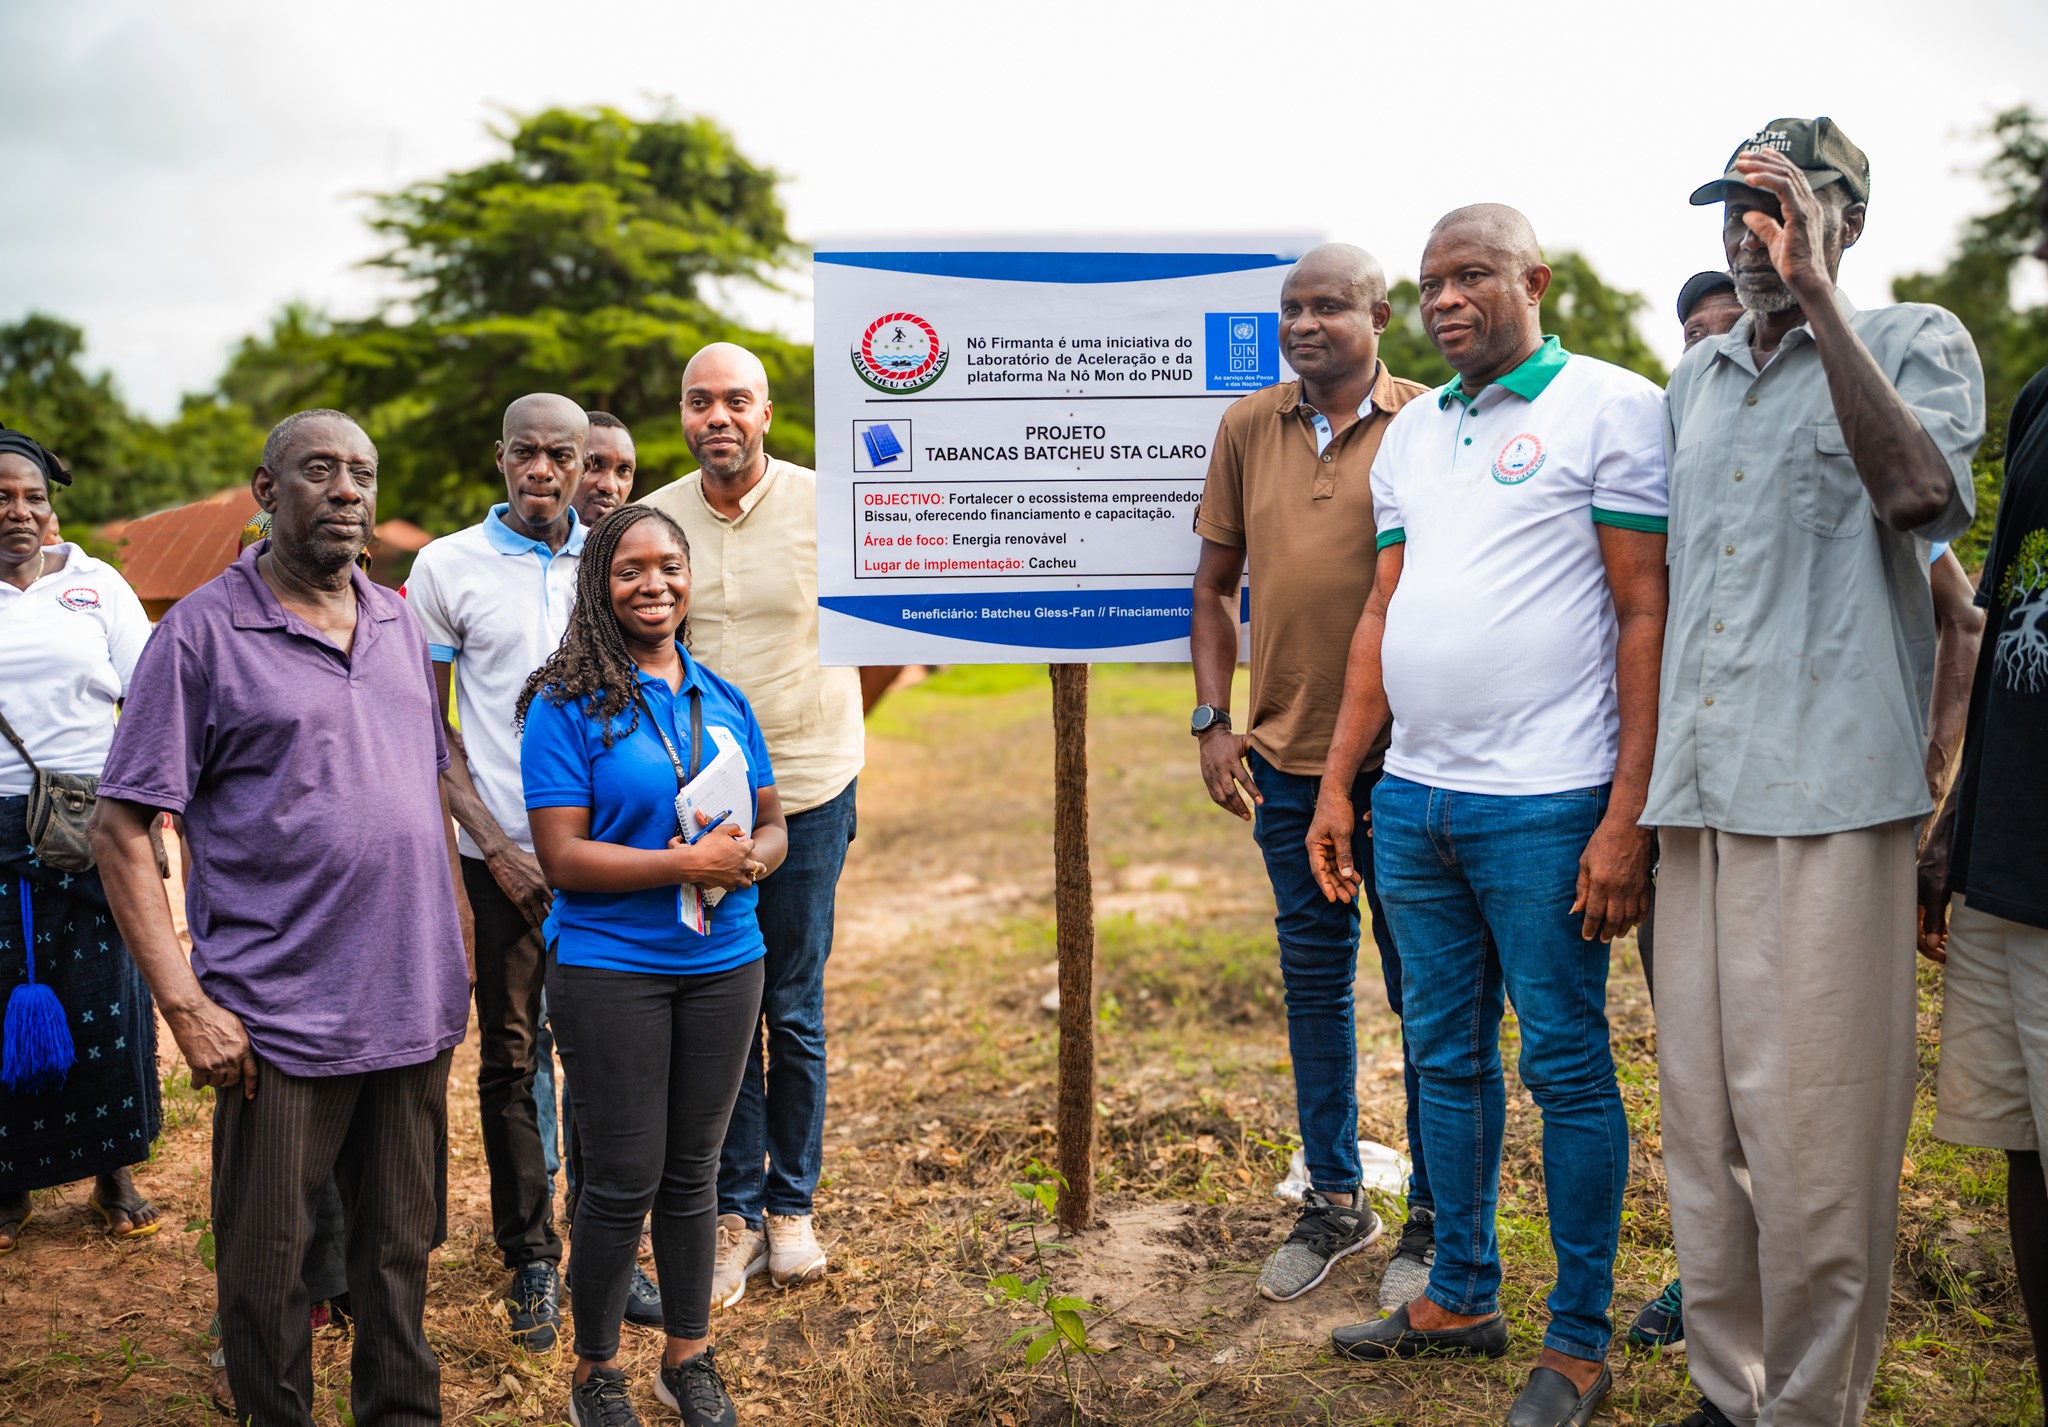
737	462
1761	294
1765	292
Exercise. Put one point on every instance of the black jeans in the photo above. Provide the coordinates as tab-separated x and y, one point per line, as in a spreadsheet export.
653	1064
511	970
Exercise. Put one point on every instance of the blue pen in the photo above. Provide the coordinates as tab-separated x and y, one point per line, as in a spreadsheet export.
691	840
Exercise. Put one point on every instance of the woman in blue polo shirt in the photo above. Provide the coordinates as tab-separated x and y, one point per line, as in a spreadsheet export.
653	1017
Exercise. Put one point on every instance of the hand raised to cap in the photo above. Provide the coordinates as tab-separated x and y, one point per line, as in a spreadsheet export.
1795	241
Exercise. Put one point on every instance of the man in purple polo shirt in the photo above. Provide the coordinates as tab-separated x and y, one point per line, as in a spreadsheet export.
287	711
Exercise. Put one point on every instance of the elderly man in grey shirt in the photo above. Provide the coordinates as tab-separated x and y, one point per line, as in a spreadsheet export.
1814	451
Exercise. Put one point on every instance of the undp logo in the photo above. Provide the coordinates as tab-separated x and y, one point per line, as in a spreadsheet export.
1243	350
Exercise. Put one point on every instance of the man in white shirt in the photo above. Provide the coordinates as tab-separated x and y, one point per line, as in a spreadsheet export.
494	600
752	523
1512	638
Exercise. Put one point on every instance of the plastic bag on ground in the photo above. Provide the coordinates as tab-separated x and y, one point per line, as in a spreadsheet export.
1382	1167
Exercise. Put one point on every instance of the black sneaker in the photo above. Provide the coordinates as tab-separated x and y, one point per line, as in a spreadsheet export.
694	1388
535	1313
1661	1324
600	1401
643	1300
1324	1233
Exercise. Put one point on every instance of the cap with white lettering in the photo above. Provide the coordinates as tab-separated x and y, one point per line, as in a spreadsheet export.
1815	145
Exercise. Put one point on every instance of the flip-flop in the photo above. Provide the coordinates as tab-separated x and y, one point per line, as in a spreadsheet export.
218	1390
142	1232
19	1224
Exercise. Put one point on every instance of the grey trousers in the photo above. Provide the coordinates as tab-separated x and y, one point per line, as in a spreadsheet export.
1786	1063
381	1135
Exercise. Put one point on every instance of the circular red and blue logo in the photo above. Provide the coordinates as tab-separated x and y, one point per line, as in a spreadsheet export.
899	352
80	597
1520	459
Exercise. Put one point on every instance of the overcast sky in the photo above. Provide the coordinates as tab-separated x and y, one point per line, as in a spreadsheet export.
178	169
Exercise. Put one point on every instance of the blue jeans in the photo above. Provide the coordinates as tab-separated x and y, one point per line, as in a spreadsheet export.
1318	964
1479	889
545	1100
775	1146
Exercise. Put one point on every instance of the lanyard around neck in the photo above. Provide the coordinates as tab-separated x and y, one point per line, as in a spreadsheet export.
668	746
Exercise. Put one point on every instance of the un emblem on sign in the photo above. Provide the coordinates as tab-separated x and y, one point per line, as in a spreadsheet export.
1243	350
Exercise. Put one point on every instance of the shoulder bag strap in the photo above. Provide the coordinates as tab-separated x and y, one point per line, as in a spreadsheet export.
22	748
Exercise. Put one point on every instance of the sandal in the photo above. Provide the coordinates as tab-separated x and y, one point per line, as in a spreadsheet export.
20	1222
130	1207
219	1391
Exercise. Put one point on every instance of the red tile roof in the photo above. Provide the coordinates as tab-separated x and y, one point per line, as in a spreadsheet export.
399	534
168	555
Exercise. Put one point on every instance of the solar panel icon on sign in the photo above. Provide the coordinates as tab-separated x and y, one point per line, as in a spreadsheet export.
882	446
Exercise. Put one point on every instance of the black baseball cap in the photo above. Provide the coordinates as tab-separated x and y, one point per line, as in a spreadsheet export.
1698	286
1816	145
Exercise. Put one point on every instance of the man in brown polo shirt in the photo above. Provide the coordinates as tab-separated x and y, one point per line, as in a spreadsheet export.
1289	499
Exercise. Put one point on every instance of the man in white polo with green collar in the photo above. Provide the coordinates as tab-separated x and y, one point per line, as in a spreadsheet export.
1512	638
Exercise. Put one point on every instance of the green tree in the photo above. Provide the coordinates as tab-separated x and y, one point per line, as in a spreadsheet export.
1580	310
122	464
1976	285
47	393
1596	320
588	258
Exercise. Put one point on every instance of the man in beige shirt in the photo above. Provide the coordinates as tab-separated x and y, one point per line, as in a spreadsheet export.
752	523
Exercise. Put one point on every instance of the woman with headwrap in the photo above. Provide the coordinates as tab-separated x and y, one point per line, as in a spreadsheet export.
78	1075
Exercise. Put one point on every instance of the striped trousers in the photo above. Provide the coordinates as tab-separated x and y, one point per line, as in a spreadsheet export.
383	1136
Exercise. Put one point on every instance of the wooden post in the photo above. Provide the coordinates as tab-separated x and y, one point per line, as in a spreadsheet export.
1074	909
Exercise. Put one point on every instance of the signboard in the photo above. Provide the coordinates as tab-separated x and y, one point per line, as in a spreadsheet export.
1012	437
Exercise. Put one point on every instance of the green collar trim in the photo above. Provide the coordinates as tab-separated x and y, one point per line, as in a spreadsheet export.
1527	381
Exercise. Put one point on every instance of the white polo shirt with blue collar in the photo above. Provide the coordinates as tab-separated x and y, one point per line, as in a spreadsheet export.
495	605
1499	649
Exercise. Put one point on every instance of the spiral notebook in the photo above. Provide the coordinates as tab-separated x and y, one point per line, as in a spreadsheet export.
722	787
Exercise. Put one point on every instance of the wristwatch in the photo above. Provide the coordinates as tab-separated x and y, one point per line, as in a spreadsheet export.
1206	717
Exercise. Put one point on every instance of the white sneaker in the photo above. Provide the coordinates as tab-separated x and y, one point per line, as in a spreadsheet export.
793	1253
742	1253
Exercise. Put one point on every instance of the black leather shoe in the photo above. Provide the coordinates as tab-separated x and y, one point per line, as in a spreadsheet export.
1553	1400
1392	1337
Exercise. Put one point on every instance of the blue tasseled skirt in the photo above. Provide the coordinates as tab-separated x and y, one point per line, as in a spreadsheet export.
107	1111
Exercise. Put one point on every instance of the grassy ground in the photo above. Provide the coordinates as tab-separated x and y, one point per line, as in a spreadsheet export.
942	1060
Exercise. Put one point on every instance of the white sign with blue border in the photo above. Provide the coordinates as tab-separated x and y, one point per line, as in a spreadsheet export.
1012	437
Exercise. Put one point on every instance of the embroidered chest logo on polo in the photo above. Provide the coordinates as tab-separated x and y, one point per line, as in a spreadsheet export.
1520	459
79	597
